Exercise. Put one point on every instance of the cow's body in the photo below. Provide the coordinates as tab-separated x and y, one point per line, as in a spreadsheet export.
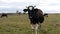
3	15
36	17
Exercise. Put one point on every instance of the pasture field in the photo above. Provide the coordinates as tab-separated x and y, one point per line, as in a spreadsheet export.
20	25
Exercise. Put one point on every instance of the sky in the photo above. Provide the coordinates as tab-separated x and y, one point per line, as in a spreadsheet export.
47	6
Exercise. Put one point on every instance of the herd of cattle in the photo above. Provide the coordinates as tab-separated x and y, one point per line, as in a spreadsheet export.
6	15
36	17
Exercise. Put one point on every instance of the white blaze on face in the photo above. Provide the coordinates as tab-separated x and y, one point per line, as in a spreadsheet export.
30	8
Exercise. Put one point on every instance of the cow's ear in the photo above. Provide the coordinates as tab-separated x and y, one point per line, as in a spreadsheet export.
35	9
25	10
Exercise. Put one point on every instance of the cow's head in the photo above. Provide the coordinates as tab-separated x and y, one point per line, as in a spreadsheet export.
29	8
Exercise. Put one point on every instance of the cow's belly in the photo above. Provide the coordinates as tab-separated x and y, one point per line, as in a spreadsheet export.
36	20
41	19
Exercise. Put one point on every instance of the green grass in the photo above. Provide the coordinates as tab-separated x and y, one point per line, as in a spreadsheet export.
20	25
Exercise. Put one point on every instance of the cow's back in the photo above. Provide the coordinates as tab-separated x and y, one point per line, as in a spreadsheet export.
40	13
40	16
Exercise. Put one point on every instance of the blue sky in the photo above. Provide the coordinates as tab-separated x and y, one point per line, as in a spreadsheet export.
47	6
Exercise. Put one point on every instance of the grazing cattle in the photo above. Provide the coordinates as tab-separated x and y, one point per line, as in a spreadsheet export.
46	15
3	15
36	17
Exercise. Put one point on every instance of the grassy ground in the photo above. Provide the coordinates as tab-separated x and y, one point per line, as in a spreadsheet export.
20	25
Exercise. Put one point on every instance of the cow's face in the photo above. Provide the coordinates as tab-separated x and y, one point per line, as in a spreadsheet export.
30	8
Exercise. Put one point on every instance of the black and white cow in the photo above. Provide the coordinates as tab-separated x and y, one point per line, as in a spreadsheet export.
36	17
3	15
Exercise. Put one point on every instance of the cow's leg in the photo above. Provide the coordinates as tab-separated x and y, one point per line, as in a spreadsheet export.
39	25
36	29
33	28
41	21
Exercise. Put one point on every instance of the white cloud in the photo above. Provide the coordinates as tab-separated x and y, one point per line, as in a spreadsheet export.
42	4
49	8
49	1
19	0
4	6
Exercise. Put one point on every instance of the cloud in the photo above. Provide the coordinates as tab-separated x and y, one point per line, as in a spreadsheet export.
45	5
17	4
8	1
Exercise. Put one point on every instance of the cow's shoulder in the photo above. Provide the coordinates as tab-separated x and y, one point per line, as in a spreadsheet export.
40	10
35	9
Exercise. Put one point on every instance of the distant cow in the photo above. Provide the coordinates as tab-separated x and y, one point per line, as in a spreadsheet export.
36	17
3	15
46	15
